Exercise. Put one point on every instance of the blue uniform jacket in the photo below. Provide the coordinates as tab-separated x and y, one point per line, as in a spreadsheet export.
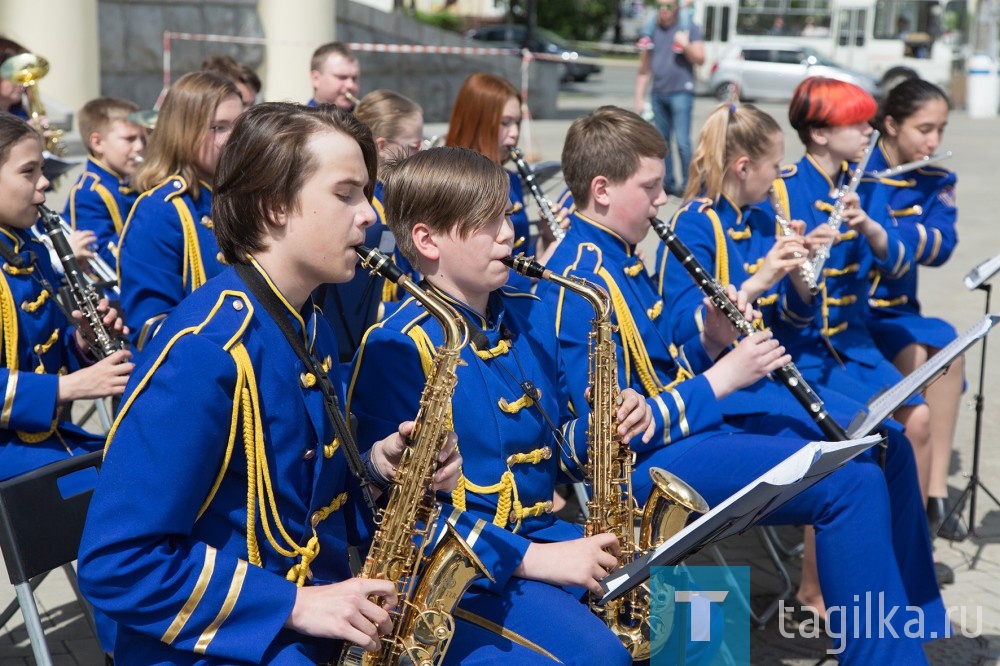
167	250
220	428
511	457
100	201
729	242
38	347
840	309
648	361
923	213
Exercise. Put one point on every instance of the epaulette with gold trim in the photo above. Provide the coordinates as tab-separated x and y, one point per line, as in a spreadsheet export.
789	170
228	319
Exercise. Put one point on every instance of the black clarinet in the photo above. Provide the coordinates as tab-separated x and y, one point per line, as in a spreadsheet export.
82	293
788	374
544	205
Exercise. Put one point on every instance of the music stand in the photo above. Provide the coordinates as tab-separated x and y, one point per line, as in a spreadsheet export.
742	510
978	278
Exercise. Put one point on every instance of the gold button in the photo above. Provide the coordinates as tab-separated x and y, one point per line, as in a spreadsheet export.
309	454
546	453
548	506
237	305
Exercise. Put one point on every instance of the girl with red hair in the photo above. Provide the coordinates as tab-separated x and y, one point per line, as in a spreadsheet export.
486	117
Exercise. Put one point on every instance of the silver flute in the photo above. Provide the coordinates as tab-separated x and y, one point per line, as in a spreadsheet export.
806	269
910	166
836	218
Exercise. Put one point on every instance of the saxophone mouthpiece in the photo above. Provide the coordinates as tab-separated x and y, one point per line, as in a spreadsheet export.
526	266
378	262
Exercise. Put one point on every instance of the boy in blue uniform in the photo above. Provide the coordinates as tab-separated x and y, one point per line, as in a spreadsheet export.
102	198
613	165
167	248
449	210
238	551
46	362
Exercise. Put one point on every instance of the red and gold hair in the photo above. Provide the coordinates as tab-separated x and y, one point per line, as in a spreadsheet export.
820	102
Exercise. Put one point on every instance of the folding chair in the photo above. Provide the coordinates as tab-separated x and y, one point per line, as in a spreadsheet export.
40	530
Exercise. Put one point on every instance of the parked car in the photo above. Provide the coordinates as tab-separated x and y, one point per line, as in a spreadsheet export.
772	71
543	41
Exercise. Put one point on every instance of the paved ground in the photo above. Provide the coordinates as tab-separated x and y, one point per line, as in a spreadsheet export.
976	144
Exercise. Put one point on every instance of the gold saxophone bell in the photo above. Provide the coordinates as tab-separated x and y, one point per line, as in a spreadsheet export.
671	505
25	70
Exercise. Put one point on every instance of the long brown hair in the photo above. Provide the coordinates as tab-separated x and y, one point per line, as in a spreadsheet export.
181	127
265	164
475	118
729	132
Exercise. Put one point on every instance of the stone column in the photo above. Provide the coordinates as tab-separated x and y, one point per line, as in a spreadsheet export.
294	28
65	32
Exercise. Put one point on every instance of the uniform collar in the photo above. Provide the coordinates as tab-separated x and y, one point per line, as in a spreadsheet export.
597	229
96	165
492	319
307	326
809	159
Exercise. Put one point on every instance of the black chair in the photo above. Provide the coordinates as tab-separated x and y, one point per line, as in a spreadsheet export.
40	530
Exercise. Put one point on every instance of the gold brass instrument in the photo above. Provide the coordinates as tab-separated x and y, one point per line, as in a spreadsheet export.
25	70
836	217
612	507
428	587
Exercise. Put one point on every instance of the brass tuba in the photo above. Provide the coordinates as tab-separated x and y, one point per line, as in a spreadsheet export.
428	587
612	507
25	70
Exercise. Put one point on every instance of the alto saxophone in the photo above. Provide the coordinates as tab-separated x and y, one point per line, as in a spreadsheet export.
428	587
612	507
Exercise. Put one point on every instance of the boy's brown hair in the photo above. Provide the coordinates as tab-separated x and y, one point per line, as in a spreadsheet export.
445	188
608	142
99	115
246	196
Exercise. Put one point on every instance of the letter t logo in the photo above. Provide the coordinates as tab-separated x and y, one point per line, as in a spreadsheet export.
701	610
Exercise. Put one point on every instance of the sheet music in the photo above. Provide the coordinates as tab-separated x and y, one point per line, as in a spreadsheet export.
982	272
883	405
743	509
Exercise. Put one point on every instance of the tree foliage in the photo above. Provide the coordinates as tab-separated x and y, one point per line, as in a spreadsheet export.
577	19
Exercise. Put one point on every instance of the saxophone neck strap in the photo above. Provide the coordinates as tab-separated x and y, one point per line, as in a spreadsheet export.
279	313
